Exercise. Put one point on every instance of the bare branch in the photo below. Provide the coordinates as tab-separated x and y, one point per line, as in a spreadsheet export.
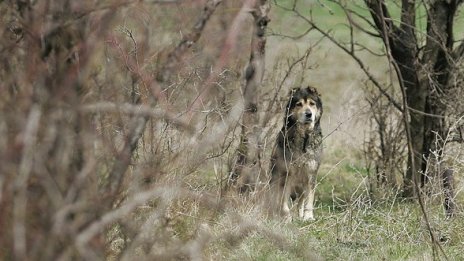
124	157
349	12
459	51
362	66
228	49
381	17
175	56
165	193
137	110
287	74
20	185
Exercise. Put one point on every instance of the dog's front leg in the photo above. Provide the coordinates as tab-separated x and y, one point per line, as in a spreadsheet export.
306	204
301	204
308	212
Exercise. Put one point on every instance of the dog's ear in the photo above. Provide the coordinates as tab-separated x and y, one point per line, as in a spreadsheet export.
313	90
293	91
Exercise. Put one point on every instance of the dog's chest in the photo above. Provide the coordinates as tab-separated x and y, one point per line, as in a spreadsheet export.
308	161
306	157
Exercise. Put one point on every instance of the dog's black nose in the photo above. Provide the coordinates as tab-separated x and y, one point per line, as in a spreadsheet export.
308	114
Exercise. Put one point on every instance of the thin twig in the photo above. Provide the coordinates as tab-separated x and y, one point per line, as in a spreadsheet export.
137	110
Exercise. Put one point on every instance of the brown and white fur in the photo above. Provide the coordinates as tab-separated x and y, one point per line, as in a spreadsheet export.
297	154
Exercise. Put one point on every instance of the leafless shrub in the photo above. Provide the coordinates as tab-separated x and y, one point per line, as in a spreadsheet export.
385	148
97	153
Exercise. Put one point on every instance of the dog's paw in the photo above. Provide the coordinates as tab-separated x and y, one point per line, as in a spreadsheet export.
307	218
288	218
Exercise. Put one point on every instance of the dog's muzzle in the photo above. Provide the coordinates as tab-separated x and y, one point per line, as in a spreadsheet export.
308	116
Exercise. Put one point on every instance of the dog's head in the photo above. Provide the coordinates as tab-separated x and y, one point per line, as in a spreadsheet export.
304	107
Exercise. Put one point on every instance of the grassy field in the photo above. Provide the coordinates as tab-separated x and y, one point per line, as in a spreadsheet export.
359	231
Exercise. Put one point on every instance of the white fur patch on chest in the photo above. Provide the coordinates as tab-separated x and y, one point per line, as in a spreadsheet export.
312	164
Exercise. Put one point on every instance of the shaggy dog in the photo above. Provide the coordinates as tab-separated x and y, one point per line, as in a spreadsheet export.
297	154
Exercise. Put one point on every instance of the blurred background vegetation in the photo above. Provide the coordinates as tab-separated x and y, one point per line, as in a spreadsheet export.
119	130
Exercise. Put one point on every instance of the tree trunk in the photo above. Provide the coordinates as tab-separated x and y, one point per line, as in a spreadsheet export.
425	82
401	45
247	166
437	55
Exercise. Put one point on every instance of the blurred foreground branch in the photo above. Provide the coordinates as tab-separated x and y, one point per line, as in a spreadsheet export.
248	166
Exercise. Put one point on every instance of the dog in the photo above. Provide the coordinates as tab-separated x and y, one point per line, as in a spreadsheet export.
297	154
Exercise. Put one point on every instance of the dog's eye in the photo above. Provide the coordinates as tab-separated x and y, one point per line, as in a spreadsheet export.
312	103
299	104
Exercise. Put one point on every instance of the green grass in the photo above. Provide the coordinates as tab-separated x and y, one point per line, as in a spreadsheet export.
393	231
350	225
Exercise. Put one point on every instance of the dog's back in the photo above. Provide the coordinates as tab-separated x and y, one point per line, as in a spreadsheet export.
297	154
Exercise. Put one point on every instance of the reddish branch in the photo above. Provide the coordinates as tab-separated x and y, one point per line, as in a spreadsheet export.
227	50
137	127
175	56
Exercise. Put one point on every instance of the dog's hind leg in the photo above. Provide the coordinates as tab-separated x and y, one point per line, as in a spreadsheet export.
280	190
284	198
278	198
